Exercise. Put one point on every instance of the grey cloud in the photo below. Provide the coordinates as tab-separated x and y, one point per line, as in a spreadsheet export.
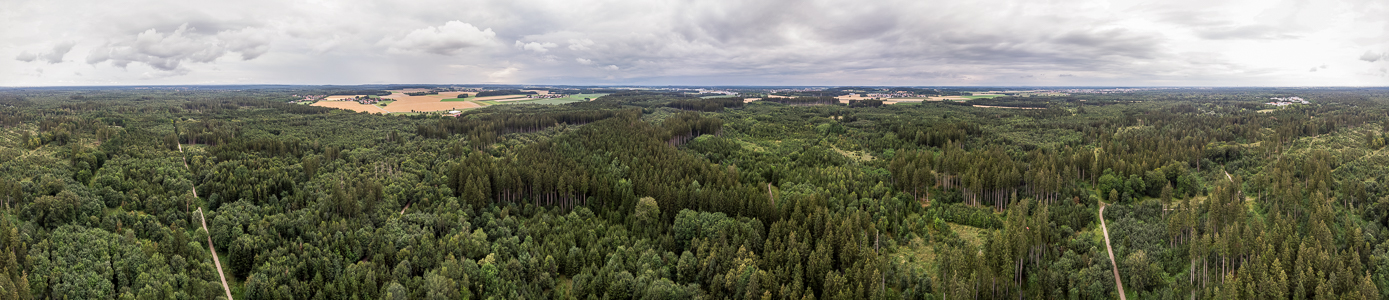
1371	56
52	57
168	51
250	43
26	56
449	39
714	41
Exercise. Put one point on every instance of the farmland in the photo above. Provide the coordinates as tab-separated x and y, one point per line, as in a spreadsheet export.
399	101
562	100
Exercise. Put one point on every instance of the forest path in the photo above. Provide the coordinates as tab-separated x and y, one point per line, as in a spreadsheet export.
215	261
1117	282
210	247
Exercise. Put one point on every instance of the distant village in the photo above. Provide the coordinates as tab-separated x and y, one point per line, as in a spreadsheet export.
364	100
1287	101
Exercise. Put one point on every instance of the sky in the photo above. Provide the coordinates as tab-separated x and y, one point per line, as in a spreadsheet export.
697	42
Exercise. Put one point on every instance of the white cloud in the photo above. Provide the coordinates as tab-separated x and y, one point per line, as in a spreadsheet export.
535	46
503	75
584	61
580	44
611	67
450	39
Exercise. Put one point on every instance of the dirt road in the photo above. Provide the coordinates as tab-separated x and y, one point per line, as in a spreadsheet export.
210	247
1118	283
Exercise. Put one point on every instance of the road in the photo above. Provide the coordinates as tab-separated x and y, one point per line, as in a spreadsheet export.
210	247
215	261
1117	282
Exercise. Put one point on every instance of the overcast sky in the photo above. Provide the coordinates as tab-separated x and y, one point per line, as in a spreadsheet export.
696	42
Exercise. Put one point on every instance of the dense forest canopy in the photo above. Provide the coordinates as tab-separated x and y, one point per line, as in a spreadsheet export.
1204	193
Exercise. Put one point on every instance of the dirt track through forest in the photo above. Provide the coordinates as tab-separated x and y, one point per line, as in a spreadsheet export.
210	247
1118	283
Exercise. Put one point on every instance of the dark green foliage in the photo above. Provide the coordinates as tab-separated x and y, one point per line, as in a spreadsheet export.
715	104
647	194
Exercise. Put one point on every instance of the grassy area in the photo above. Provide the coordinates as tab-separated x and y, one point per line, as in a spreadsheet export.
982	96
562	100
579	97
454	100
971	235
384	102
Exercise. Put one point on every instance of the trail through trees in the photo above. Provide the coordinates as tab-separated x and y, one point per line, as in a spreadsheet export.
215	261
1117	283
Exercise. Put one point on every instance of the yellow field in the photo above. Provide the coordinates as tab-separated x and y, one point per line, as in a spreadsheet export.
403	102
340	97
352	105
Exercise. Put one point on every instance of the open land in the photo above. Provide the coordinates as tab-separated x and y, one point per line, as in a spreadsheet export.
353	106
561	100
398	101
407	103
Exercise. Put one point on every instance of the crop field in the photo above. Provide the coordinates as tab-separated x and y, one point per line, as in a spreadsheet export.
983	96
407	103
341	97
398	102
562	100
353	106
501	97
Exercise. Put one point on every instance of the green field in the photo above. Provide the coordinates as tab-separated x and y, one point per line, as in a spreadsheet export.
982	96
384	102
568	99
455	100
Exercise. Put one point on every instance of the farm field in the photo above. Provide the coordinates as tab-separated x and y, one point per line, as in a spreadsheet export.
352	105
563	100
501	97
341	97
983	96
400	102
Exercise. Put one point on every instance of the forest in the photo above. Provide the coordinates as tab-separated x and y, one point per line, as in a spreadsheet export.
125	193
